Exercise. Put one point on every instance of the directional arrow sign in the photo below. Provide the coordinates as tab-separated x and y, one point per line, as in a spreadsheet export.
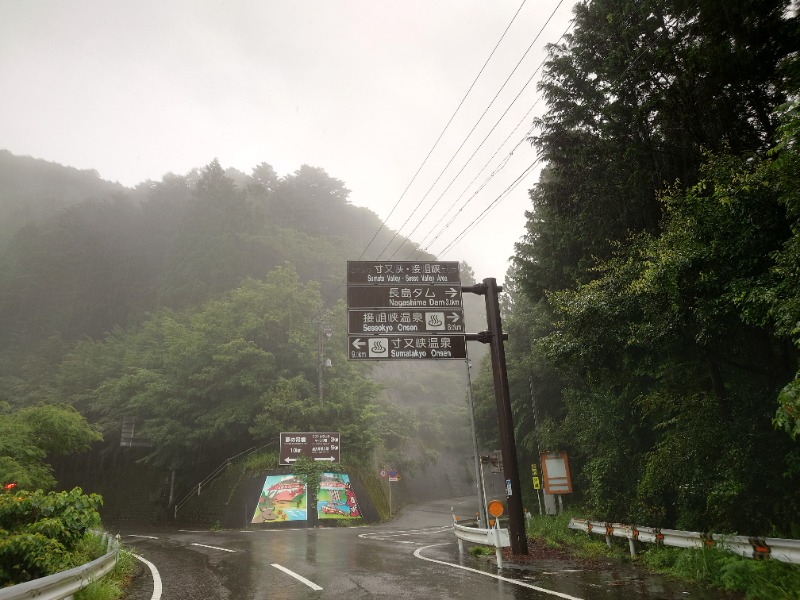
383	322
409	347
320	447
404	297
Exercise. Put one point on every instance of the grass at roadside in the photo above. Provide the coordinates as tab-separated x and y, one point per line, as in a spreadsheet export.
112	586
758	580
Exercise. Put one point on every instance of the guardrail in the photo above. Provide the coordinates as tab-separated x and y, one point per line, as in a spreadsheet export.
758	548
494	536
64	584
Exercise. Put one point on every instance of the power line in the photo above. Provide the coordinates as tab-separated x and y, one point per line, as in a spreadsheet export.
488	162
510	188
463	143
436	143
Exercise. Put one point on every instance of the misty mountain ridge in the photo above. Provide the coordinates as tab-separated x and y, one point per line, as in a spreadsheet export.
82	255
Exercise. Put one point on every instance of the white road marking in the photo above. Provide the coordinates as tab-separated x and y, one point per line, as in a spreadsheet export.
500	577
156	578
213	547
149	537
381	536
300	578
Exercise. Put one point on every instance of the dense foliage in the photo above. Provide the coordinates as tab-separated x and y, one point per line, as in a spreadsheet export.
29	436
191	310
655	296
40	533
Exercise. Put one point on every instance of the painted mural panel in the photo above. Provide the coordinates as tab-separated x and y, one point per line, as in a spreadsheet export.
336	498
283	498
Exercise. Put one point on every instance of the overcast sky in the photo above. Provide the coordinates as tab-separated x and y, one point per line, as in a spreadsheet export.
360	88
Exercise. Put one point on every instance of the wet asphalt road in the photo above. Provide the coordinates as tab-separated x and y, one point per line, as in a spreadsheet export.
415	556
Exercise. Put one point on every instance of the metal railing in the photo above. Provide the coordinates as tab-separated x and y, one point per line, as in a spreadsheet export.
197	488
758	548
494	536
64	584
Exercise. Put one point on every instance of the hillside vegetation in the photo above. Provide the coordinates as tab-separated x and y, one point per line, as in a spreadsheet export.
191	308
655	303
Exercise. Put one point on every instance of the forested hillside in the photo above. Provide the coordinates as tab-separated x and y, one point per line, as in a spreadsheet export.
655	296
192	307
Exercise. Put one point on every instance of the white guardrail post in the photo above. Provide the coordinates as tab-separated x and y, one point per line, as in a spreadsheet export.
757	548
494	536
62	585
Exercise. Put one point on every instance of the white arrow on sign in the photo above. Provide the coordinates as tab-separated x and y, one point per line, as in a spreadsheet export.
452	292
331	459
358	344
289	460
454	317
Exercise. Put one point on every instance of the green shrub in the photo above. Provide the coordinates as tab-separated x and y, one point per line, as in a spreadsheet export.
39	532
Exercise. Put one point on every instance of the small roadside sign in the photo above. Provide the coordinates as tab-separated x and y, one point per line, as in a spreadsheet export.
394	475
495	508
555	473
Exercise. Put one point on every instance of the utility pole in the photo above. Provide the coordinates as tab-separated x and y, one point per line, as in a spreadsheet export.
478	468
494	337
324	332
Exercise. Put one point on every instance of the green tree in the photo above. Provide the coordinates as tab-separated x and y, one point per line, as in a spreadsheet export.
29	436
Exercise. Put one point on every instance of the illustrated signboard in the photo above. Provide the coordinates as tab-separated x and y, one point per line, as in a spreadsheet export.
283	498
336	498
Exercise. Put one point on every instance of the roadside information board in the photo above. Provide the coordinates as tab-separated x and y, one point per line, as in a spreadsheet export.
319	447
405	310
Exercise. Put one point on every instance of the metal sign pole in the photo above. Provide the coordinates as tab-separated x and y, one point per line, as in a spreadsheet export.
516	518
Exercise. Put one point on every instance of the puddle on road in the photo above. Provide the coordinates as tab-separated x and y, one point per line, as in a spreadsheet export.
611	581
607	580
